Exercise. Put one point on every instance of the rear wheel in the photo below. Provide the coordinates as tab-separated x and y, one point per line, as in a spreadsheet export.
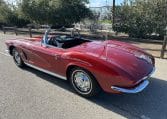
17	58
83	82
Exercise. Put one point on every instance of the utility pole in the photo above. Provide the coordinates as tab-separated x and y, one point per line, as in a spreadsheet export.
164	44
165	35
113	13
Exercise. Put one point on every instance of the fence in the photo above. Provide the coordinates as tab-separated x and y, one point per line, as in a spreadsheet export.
5	29
103	35
28	30
15	30
68	31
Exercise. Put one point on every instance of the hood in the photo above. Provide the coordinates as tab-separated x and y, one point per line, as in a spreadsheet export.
130	59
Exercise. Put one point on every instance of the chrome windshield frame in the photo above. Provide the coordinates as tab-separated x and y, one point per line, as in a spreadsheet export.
45	37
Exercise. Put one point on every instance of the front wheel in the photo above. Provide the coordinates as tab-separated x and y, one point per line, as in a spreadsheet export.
17	58
84	83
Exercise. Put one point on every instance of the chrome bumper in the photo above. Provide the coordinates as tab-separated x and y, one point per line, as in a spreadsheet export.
137	89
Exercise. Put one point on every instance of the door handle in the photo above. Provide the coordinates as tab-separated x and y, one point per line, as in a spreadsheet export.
57	57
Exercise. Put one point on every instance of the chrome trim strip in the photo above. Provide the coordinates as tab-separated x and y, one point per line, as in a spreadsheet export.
152	71
46	71
149	74
137	89
7	51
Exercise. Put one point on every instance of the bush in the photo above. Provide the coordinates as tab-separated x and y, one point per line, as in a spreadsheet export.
141	18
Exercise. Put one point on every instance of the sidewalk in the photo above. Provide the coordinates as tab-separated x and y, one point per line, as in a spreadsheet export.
161	69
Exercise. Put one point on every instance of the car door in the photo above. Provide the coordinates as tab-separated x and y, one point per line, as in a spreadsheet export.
44	57
49	58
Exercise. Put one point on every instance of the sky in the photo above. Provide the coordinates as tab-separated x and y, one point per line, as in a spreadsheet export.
93	3
98	3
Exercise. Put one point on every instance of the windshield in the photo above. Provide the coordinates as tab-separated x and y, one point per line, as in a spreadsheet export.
61	41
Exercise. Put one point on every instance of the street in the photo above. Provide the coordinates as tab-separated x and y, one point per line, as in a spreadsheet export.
30	94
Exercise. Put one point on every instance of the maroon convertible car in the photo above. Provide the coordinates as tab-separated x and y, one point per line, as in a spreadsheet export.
90	66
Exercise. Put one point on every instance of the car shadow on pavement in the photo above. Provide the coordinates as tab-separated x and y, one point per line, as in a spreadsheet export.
149	104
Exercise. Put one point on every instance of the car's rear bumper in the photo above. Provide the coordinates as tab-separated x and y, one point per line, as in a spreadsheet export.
136	89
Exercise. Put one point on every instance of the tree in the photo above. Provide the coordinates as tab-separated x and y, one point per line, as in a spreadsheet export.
55	12
141	18
3	9
11	15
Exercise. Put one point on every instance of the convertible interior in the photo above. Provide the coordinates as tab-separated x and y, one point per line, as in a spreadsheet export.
65	41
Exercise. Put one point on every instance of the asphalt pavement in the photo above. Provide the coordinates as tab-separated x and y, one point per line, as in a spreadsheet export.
30	94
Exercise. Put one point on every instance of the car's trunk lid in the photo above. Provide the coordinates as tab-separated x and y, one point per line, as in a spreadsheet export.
128	58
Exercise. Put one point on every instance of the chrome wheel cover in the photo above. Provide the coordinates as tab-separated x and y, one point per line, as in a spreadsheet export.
17	57
82	82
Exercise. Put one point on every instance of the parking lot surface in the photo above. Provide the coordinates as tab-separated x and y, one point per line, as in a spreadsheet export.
30	94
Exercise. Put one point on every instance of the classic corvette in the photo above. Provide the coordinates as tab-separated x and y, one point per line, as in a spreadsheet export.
89	66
